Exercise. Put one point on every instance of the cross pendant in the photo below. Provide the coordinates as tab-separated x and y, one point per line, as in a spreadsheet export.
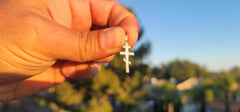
127	54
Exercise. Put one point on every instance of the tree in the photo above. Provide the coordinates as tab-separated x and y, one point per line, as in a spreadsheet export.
142	52
160	73
203	93
164	94
226	83
182	70
235	71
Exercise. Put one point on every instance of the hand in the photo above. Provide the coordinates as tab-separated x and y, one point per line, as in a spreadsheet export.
44	41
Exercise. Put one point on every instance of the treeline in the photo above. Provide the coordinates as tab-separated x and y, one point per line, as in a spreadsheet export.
114	91
208	87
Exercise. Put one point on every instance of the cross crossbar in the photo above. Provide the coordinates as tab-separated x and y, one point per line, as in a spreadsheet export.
127	53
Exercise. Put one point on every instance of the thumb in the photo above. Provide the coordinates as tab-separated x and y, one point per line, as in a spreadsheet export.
67	44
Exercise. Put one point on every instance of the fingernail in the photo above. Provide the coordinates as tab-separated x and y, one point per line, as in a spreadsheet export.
112	38
69	70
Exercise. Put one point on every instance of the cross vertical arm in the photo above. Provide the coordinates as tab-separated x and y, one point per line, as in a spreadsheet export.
127	53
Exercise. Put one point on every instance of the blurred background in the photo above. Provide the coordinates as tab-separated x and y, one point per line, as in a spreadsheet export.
186	60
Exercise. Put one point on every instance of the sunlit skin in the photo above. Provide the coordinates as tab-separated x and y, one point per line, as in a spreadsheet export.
42	42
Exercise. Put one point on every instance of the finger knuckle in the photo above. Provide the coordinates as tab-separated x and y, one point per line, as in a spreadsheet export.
82	47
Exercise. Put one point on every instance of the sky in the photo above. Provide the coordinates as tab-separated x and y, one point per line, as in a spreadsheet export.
206	32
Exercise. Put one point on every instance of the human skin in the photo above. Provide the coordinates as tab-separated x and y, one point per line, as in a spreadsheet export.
43	42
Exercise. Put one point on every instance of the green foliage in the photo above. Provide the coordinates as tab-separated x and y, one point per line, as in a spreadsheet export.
170	93
117	65
235	70
65	93
108	87
98	104
209	95
96	97
131	90
108	79
142	51
226	82
53	106
208	83
160	72
181	70
202	91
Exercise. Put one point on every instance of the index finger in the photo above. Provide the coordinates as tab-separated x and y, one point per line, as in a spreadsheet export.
110	13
